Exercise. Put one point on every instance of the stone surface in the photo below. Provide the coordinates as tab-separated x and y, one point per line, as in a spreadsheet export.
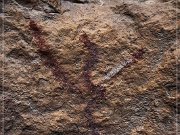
53	83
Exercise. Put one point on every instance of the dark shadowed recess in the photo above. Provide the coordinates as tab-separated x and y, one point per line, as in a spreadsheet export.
78	1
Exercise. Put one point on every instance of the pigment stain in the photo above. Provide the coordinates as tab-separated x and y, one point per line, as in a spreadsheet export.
96	94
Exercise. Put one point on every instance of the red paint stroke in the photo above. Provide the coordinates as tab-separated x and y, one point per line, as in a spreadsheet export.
49	59
96	92
138	55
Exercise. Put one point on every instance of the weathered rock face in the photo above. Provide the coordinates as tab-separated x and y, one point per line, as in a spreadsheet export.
98	68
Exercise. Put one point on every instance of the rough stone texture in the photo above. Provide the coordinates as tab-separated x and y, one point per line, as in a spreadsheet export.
48	92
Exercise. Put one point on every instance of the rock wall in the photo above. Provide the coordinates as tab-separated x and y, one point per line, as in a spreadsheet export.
95	67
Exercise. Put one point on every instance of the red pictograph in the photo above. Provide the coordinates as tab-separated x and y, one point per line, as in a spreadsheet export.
96	93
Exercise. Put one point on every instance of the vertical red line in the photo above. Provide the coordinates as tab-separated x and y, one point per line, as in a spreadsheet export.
97	92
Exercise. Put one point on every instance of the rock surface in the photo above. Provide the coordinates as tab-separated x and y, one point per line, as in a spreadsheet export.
54	68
